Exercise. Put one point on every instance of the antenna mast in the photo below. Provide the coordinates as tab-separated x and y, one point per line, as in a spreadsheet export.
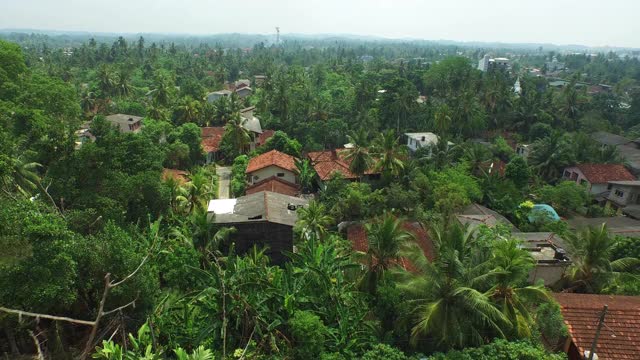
277	35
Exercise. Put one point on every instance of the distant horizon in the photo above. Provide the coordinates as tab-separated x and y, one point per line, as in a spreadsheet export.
58	32
590	23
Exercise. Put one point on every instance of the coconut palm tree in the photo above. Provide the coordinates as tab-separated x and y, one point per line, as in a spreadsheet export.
122	84
390	154
162	91
313	221
591	251
358	155
476	154
196	192
237	134
189	110
442	119
442	295
511	265
550	155
106	81
88	102
387	238
23	178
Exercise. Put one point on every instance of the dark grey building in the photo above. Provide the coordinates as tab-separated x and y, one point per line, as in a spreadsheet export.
265	219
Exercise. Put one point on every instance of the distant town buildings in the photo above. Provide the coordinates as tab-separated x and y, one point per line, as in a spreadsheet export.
488	64
554	65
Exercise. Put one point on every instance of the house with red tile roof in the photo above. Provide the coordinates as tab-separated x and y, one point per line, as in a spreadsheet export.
272	164
274	184
596	176
328	162
211	138
357	235
620	334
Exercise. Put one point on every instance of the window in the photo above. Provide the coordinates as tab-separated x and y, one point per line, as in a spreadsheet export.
280	174
619	193
566	174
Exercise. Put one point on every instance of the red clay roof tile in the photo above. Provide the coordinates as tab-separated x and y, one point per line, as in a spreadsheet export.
619	338
211	138
180	176
603	173
262	138
328	162
272	158
273	184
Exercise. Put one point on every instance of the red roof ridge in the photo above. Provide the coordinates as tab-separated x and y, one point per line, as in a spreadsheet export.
603	173
271	158
581	312
269	184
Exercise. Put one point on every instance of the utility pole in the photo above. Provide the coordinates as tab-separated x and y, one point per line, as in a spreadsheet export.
595	339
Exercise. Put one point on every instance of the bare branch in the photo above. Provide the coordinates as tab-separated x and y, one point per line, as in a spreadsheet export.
144	260
45	316
248	343
133	303
37	343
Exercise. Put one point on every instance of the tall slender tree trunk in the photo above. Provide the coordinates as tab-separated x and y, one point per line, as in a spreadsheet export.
11	337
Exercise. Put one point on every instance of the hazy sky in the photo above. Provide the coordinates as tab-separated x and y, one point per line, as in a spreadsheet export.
588	22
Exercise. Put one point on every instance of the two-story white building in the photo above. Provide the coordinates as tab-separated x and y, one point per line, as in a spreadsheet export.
273	164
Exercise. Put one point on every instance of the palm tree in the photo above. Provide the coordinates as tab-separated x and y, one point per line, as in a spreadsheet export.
591	251
189	110
23	178
442	119
196	192
88	102
358	156
123	86
313	221
157	112
511	268
390	153
106	82
237	134
476	154
162	91
550	155
306	174
386	238
445	305
222	110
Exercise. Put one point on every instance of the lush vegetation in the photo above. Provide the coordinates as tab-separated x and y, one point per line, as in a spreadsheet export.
72	213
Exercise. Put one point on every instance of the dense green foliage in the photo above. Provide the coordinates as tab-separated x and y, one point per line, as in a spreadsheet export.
135	203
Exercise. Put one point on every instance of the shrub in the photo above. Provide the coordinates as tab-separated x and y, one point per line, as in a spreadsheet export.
238	169
384	352
308	333
501	350
565	197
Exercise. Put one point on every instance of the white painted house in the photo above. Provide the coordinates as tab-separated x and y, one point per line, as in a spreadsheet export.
273	164
597	176
419	140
